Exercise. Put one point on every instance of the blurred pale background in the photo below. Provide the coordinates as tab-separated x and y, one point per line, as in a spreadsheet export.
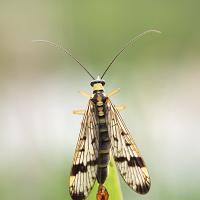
159	79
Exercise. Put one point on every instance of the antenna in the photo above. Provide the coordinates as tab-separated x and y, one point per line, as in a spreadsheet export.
132	41
65	51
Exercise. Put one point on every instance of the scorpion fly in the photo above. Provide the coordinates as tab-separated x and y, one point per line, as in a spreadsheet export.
103	134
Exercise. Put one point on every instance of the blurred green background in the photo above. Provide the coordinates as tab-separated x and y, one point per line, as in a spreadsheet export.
159	79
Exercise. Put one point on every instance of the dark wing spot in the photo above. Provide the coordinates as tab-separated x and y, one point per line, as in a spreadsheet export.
82	150
78	168
128	144
132	162
142	189
123	133
83	138
120	159
139	188
81	167
79	196
139	162
136	161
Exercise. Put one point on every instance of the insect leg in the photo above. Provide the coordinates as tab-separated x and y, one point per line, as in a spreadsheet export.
79	112
113	92
84	93
120	107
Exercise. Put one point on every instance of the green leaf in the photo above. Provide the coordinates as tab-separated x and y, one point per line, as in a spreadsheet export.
112	184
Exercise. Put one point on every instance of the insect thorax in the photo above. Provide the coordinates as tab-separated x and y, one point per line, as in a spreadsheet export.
97	84
99	97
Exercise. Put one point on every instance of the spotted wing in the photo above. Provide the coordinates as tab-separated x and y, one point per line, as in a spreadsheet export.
126	154
83	172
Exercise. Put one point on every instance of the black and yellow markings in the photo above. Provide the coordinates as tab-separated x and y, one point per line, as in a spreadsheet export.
102	120
104	140
100	106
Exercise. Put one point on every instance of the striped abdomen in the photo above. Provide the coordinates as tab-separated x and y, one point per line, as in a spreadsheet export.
103	137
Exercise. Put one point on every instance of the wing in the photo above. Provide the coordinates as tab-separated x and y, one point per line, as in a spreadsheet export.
83	172
126	154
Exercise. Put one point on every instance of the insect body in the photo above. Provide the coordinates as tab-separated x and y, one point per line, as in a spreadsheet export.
102	133
104	141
